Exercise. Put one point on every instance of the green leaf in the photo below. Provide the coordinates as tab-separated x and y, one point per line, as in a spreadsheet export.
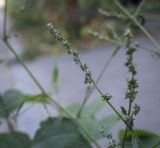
92	124
156	145
10	101
41	98
149	139
59	133
89	120
14	140
89	110
55	77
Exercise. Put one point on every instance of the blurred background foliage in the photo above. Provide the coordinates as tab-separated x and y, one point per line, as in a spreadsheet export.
73	17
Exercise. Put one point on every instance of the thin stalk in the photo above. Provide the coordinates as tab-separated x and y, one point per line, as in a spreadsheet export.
135	135
108	102
139	8
137	138
122	43
124	138
88	94
129	112
10	126
86	97
126	130
5	21
150	37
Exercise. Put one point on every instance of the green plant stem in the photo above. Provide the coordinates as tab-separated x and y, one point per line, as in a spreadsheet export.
10	126
132	18
137	138
139	8
88	94
18	111
108	102
121	43
126	130
135	135
51	100
5	21
124	138
130	107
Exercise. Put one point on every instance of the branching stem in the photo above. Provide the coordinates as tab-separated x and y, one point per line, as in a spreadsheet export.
132	18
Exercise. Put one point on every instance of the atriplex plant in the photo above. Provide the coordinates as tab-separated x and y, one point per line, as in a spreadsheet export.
70	129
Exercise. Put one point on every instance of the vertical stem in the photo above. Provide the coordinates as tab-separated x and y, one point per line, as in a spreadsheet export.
124	138
137	138
10	126
5	21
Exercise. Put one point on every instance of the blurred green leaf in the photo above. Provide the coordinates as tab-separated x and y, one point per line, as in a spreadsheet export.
89	110
41	98
157	145
109	121
60	133
88	118
14	140
55	77
10	101
149	139
92	124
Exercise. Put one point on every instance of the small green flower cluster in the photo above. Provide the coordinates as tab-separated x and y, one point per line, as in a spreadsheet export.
132	82
106	97
136	109
111	142
131	92
74	53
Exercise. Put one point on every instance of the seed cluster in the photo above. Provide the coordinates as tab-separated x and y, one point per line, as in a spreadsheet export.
131	92
75	55
111	142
